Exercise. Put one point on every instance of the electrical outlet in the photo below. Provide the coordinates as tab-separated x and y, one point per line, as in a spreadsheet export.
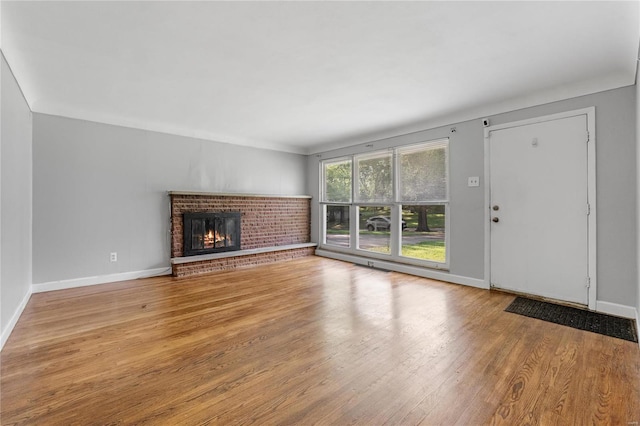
114	257
474	181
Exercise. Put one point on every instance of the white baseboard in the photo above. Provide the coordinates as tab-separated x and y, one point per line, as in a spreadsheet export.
616	309
14	318
101	279
406	269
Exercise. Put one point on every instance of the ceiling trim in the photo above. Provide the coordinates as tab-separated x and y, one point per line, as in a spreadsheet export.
611	82
67	112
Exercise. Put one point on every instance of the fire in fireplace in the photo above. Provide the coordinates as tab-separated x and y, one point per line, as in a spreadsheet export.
211	232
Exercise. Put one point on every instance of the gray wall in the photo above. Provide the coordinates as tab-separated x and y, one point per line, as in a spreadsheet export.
616	188
638	195
15	182
100	188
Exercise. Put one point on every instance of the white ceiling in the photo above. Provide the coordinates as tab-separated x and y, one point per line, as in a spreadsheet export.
308	76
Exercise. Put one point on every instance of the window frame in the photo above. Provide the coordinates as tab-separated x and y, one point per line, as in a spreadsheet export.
394	204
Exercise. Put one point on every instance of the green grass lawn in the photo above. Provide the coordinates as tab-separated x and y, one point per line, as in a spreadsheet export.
435	220
427	250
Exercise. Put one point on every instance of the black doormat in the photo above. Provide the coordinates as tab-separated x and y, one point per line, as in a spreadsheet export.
622	328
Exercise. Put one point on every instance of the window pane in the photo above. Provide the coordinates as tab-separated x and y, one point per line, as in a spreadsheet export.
374	177
423	237
375	229
338	226
423	172
337	181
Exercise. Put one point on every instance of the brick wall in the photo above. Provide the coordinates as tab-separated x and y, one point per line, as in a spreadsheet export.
265	222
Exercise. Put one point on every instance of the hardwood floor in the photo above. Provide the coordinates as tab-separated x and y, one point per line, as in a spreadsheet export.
310	341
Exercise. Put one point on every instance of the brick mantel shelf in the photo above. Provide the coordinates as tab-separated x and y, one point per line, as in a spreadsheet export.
273	228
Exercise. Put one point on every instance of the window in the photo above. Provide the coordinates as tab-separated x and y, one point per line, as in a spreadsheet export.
423	186
426	236
374	232
337	188
337	180
374	178
399	199
423	172
337	225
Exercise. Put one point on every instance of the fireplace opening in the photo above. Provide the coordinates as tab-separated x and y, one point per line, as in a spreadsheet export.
211	232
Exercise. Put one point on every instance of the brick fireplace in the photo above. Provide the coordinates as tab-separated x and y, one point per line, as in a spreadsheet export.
273	228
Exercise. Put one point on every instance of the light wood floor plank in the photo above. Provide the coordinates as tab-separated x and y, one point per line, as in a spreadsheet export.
310	341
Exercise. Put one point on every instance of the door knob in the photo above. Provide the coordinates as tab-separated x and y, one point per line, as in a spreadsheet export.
495	219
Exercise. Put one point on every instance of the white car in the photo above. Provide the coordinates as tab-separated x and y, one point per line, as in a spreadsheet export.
377	223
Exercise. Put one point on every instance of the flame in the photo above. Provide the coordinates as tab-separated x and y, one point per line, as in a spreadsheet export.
213	237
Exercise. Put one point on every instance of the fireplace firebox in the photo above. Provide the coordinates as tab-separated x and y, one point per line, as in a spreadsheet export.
211	232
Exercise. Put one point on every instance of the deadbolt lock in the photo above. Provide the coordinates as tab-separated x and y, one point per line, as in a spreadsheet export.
496	208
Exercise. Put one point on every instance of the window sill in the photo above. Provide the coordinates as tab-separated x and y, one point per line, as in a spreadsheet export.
364	254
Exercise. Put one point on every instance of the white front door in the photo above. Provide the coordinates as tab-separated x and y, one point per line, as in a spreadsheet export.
539	209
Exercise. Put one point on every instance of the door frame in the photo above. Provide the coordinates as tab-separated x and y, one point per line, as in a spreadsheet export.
591	192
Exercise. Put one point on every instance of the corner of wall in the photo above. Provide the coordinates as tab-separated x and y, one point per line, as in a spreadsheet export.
16	201
8	329
638	192
2	337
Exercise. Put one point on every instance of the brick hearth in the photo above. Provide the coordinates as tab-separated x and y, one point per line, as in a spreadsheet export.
266	222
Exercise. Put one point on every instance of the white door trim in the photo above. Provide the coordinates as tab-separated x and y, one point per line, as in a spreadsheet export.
591	191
